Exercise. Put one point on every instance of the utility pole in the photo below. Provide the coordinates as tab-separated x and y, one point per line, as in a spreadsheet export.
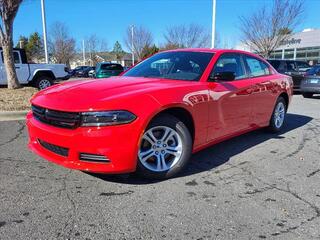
83	53
132	45
213	34
44	27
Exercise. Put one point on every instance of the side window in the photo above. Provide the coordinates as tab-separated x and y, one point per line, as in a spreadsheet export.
229	63
256	67
291	67
16	57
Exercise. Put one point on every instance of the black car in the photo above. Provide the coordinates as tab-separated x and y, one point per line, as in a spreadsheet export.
84	72
295	69
310	85
314	71
75	71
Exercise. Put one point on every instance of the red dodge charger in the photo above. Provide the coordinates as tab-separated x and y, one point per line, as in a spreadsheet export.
153	117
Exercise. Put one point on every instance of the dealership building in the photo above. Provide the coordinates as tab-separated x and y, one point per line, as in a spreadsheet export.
303	46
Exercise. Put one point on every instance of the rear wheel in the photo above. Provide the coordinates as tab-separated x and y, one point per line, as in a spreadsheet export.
43	82
307	95
165	148
278	116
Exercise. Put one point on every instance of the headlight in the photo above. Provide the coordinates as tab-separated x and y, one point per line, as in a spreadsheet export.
106	118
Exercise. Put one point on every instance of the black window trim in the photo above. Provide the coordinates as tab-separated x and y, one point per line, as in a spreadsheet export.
242	65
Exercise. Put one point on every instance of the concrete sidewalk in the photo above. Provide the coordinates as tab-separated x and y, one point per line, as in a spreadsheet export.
13	115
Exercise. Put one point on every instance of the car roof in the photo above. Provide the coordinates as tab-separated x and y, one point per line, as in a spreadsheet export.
286	60
105	63
213	50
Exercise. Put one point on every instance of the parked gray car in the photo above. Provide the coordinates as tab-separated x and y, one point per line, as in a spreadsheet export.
310	85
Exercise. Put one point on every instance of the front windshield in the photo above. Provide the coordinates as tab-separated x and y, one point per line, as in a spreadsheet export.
173	65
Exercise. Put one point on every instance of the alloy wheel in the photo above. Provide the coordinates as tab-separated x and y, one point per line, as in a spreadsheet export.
44	83
160	149
279	114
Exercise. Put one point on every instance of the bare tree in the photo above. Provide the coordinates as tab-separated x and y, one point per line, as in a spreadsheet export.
8	12
62	46
187	36
95	46
142	38
267	28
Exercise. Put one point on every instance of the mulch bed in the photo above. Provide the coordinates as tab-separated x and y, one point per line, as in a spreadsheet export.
16	100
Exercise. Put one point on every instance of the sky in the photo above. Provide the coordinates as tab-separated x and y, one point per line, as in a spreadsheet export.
108	19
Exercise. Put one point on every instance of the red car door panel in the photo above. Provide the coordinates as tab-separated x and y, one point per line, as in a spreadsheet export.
230	108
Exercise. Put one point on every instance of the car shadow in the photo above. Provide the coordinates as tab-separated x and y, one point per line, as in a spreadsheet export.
218	154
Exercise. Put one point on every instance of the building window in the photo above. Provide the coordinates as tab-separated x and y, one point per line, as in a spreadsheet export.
288	53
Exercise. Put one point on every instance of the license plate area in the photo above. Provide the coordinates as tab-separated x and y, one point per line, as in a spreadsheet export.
314	81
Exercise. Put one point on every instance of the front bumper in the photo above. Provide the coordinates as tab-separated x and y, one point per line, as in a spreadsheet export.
119	144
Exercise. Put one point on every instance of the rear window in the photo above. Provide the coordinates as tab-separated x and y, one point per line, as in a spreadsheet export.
111	67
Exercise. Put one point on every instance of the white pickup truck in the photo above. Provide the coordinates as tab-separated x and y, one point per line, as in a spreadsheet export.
37	75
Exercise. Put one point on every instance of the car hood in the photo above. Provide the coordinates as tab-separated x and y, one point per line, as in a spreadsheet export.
83	95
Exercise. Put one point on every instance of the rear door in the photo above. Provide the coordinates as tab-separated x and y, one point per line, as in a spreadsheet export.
230	106
264	89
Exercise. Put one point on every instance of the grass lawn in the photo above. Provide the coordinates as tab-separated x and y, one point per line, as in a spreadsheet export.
16	100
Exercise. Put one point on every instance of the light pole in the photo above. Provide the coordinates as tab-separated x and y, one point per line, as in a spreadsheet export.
213	34
132	45
83	53
44	27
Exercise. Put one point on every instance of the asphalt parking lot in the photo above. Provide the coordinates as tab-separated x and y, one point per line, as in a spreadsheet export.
256	186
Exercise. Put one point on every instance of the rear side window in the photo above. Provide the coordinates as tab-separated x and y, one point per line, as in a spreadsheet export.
256	67
230	63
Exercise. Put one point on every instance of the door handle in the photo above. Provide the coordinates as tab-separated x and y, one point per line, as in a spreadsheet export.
249	90
17	67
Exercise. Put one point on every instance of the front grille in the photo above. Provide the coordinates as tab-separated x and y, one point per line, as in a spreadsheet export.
62	151
61	119
88	157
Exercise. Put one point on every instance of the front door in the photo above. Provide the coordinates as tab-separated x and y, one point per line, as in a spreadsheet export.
230	106
22	69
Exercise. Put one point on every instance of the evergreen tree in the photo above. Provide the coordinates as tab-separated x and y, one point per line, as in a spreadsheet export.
118	51
22	42
148	51
35	47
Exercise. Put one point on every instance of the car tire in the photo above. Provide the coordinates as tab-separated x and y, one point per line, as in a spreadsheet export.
278	117
43	82
162	135
307	95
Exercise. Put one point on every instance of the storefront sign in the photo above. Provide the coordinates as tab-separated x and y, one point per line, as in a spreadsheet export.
291	41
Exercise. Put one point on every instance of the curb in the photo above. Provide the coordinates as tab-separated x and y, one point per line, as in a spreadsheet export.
13	115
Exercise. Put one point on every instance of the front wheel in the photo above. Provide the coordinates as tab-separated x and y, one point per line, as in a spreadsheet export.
165	148
278	116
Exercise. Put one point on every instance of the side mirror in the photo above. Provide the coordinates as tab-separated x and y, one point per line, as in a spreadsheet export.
223	76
